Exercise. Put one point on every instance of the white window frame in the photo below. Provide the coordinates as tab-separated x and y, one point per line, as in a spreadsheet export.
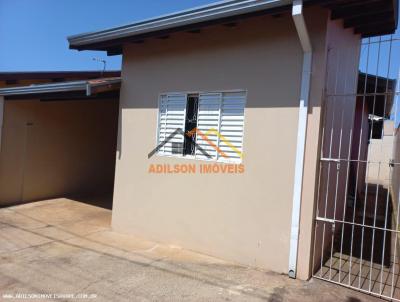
194	157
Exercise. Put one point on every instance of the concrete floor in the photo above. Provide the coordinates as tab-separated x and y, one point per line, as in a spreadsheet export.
368	276
66	247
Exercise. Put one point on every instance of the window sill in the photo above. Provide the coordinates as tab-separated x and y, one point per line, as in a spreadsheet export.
190	157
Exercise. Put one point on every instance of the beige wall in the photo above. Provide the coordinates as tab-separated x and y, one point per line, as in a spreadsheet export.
395	188
337	126
58	148
245	218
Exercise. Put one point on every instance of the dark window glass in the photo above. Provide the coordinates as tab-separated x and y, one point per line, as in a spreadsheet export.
377	128
189	145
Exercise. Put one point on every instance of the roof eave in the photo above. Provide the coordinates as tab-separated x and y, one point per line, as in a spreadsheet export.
90	87
216	11
111	40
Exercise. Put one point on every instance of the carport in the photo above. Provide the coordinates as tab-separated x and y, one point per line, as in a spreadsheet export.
59	140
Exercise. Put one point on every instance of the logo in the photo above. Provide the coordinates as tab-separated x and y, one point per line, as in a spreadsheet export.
202	168
205	137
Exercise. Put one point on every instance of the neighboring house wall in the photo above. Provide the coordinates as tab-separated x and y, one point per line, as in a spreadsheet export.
395	183
245	218
395	190
339	109
381	151
57	148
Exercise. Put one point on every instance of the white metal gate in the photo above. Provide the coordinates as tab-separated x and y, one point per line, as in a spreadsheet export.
357	230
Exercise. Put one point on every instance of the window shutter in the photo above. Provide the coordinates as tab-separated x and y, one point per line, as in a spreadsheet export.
172	115
221	119
232	126
208	123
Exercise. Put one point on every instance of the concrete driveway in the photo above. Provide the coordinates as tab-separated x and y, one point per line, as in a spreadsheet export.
63	250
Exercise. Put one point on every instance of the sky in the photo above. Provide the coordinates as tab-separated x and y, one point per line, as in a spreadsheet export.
33	33
381	56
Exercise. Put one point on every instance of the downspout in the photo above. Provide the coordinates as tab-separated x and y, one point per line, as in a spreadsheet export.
298	18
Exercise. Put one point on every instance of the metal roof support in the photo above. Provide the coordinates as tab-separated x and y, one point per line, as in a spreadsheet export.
301	28
87	86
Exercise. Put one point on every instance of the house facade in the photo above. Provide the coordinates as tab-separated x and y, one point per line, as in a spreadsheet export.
243	67
228	125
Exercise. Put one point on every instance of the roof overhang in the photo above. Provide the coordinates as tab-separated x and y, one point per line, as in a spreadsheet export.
88	88
112	38
367	17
